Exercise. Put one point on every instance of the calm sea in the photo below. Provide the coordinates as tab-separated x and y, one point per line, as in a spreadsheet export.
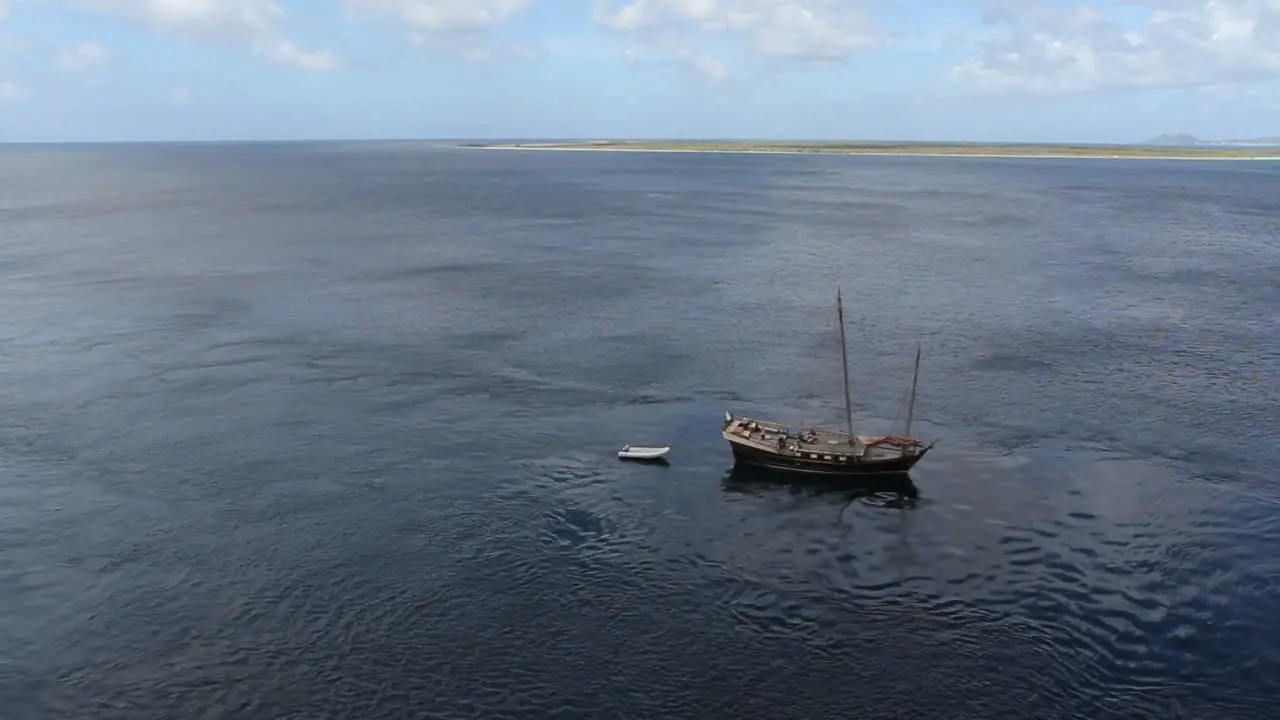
328	431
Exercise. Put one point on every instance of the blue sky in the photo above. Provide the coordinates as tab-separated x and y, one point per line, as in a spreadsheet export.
1053	70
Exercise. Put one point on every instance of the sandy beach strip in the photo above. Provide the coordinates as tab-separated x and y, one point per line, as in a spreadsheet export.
867	151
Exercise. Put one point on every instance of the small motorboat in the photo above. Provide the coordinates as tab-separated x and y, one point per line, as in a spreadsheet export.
639	452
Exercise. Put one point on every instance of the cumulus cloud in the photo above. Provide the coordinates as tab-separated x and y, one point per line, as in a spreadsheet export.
9	90
83	57
205	19
283	52
254	23
699	63
1181	43
480	52
707	66
453	26
453	15
793	29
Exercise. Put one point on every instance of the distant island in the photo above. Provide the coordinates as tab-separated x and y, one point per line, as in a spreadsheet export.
1160	147
1183	140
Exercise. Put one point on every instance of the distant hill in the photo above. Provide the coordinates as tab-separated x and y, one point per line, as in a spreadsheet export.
1184	140
1181	140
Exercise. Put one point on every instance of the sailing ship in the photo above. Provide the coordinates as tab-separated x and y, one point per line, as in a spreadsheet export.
826	451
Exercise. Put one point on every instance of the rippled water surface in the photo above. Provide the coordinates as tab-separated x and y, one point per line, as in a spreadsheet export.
327	431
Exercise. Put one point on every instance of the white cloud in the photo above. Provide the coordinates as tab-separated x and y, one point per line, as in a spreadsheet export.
454	27
477	52
1181	43
795	29
206	19
9	90
255	23
83	57
284	52
708	66
702	64
444	15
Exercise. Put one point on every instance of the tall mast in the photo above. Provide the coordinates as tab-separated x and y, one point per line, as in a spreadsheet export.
844	365
911	404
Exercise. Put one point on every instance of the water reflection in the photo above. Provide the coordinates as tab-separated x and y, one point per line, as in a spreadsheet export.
855	527
895	492
880	490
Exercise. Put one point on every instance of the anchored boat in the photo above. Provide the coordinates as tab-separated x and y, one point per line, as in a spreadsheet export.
638	452
824	451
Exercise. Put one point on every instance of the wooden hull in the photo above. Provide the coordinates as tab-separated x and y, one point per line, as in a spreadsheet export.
753	456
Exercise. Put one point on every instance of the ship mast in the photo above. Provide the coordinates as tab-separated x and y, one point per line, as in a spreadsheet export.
844	365
911	404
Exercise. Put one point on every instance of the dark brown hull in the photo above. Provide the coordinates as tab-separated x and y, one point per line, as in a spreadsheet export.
747	455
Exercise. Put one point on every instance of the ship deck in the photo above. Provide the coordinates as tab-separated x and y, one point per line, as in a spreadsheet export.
815	443
803	440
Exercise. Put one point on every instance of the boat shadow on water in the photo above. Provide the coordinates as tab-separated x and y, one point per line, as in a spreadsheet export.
887	490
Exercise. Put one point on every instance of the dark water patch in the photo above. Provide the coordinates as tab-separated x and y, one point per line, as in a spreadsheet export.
656	399
427	271
527	392
573	527
1009	363
481	341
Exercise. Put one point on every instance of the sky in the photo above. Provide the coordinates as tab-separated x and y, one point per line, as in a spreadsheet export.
977	70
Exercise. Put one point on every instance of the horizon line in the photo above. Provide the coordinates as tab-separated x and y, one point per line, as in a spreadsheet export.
584	139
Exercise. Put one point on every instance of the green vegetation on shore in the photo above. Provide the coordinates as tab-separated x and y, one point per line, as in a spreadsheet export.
900	148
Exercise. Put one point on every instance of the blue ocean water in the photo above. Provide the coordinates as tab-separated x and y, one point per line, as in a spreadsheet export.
328	430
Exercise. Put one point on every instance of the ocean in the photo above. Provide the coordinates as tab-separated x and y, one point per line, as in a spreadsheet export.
328	430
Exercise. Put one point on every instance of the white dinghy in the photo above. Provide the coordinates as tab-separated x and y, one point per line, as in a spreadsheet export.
640	452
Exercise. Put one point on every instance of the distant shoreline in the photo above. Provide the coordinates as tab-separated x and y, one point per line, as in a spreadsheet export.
957	150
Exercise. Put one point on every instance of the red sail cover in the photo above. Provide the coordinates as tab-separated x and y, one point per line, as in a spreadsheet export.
895	440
